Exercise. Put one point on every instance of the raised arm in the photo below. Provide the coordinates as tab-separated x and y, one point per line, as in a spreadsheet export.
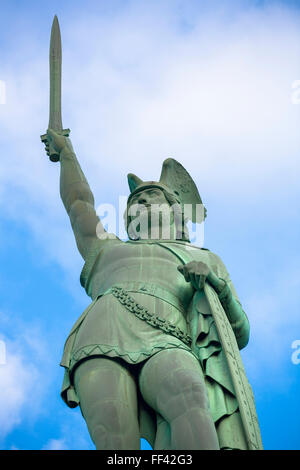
76	194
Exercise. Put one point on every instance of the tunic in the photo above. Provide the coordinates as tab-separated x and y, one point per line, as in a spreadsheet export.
150	274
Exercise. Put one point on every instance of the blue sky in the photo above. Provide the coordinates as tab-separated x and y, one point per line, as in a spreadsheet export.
208	83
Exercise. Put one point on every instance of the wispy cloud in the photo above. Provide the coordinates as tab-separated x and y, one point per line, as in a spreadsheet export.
273	311
25	376
55	444
18	378
73	435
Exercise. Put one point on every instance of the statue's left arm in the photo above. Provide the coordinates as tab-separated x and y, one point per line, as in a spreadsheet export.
198	273
233	308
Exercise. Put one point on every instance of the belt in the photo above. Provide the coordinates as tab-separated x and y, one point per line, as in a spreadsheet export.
150	289
143	314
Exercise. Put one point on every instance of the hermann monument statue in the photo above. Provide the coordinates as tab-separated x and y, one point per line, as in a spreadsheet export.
156	353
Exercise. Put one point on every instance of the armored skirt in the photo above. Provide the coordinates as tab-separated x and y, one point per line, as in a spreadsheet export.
108	328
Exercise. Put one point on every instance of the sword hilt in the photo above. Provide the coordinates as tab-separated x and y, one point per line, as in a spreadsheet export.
53	154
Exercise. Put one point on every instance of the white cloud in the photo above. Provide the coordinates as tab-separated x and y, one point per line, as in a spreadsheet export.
55	444
273	312
18	379
145	89
73	434
26	376
217	98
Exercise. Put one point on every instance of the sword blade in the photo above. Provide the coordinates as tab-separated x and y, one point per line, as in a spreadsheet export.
55	60
55	121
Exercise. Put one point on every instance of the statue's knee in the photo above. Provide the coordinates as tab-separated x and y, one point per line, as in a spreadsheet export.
193	388
99	435
185	391
116	414
108	416
104	436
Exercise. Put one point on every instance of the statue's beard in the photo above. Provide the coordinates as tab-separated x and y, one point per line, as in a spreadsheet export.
153	222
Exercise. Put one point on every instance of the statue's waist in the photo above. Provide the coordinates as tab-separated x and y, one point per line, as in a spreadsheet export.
148	288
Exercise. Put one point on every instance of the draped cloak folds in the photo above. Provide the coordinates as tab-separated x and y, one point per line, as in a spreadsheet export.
214	343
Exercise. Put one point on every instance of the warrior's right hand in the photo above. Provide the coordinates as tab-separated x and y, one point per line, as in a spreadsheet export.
58	142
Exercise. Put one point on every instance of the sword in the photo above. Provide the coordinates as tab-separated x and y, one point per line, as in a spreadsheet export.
55	59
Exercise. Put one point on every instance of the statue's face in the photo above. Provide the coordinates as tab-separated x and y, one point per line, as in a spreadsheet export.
150	215
149	196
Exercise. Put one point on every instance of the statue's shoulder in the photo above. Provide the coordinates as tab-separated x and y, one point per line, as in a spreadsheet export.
183	244
190	247
201	253
185	251
199	248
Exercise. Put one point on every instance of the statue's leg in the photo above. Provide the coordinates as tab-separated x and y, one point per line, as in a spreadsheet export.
108	401
172	383
163	434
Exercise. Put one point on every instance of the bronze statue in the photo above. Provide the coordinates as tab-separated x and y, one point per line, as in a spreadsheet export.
156	353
